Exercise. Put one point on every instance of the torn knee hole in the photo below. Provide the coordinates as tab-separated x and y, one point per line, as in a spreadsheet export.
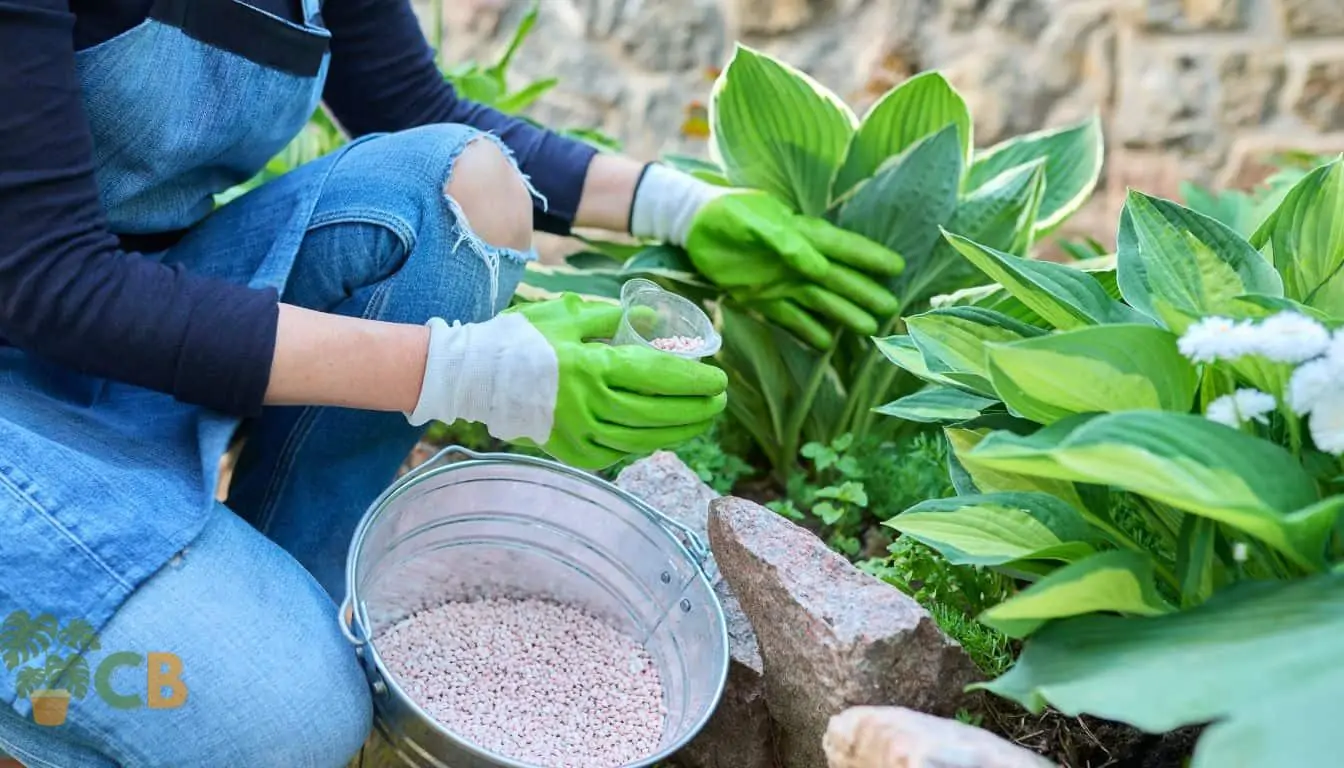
492	196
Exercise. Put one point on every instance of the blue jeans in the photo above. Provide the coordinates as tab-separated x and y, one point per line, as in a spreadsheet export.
249	607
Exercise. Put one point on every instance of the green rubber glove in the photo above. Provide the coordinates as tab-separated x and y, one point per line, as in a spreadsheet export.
538	375
801	272
793	269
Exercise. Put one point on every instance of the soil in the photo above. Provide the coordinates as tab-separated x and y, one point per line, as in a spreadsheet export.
1087	742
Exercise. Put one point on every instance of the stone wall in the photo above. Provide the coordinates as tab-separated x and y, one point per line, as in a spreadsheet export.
1188	89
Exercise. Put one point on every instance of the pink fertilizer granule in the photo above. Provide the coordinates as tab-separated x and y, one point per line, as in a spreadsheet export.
685	344
533	680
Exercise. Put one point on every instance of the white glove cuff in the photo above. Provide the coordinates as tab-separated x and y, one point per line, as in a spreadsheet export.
666	201
501	373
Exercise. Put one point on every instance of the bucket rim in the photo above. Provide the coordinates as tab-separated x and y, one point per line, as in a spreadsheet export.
385	685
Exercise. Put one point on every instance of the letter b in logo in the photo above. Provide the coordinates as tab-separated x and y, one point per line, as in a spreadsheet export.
164	672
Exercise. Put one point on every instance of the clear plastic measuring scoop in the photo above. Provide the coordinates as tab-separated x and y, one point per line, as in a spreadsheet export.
657	318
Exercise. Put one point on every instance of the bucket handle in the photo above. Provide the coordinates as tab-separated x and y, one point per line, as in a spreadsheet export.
348	609
694	544
689	538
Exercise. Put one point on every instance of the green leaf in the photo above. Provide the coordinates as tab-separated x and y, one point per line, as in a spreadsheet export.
1064	296
1097	369
954	342
901	351
1306	237
1231	207
500	69
802	362
850	492
988	480
999	214
593	260
775	128
1260	661
1185	461
1121	581
937	404
908	113
478	87
903	206
998	528
1073	158
526	96
1258	306
1176	265
829	513
749	350
548	281
1194	559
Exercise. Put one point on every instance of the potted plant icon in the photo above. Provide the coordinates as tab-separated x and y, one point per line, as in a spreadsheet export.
47	661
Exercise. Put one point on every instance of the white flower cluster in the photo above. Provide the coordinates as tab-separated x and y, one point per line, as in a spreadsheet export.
1287	337
1316	388
1241	407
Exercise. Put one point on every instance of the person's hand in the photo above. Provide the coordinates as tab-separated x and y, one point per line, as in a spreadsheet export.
536	375
801	272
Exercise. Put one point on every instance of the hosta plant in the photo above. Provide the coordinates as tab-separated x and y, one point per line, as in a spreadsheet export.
1152	448
1243	210
899	175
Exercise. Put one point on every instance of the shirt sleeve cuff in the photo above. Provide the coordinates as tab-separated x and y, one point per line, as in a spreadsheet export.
567	162
227	350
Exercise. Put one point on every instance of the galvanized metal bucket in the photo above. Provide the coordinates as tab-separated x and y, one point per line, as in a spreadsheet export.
465	525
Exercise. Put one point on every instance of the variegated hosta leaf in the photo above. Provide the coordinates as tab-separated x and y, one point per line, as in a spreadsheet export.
1096	369
1182	460
954	342
1119	581
937	404
1073	157
776	129
545	281
1306	238
999	529
1259	660
1176	265
1000	214
908	113
909	199
1063	296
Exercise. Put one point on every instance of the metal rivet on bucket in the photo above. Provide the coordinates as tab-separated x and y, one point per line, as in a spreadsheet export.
465	525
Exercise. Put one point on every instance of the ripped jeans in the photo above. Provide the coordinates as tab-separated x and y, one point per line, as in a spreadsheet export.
248	607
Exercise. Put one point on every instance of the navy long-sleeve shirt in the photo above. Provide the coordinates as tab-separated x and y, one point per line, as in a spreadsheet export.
71	290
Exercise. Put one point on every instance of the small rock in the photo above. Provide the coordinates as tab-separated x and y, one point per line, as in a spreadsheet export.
885	737
739	735
831	636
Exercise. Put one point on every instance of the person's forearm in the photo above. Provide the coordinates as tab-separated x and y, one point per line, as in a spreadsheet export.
608	192
325	359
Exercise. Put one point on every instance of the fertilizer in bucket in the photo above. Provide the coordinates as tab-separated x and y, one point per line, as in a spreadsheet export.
512	612
534	680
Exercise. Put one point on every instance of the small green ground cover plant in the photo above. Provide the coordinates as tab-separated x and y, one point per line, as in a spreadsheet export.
1153	448
904	171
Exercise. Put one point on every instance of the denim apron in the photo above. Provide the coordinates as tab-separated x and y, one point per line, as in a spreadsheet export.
102	483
